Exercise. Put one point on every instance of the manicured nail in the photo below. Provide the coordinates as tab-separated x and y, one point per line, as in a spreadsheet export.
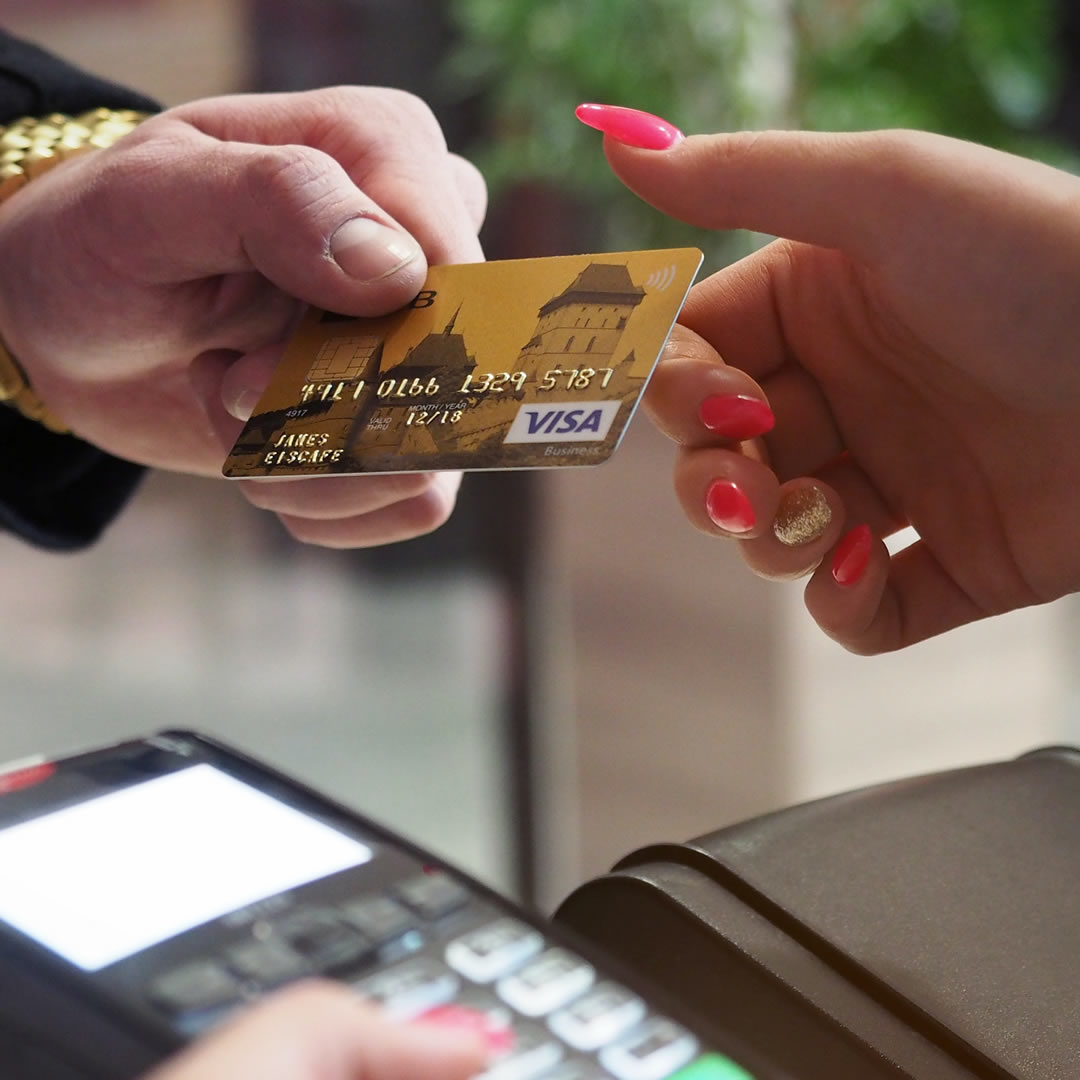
728	507
852	556
630	126
736	416
803	515
369	251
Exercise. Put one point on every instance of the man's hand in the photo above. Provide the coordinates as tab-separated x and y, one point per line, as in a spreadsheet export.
147	289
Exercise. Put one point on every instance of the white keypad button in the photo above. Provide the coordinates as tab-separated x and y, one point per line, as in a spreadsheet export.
493	951
597	1017
411	988
533	1054
651	1051
550	981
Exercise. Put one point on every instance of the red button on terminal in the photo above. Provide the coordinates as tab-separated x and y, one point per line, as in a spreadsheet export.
498	1036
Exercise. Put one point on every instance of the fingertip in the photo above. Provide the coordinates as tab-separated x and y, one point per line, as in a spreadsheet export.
245	380
803	515
730	508
696	399
852	556
206	375
807	521
736	416
726	493
446	1051
446	486
431	508
846	594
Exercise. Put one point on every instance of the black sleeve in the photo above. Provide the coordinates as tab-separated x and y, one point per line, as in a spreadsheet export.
1065	116
56	491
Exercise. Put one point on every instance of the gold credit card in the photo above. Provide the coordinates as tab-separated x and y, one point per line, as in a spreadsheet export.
522	364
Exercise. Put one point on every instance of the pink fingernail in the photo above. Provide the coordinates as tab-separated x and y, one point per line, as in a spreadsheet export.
852	556
736	416
728	507
630	126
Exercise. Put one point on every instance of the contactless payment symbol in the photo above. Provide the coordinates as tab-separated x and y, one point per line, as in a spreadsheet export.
662	279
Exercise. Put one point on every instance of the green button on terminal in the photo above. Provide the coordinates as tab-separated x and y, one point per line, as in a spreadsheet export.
712	1067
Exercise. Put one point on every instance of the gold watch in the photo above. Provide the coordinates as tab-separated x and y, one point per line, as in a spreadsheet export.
30	146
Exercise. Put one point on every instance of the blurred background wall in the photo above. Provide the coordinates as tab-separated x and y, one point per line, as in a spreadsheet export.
566	671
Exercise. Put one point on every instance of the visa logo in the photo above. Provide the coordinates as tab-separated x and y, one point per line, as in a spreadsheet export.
564	421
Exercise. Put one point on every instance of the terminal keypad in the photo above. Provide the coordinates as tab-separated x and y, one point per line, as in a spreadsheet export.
427	949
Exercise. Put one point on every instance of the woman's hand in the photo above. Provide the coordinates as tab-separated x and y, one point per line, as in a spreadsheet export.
916	335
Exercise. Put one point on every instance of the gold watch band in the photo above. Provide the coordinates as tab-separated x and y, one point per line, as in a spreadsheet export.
30	146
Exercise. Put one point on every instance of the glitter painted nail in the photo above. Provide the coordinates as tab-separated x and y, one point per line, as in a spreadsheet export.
803	515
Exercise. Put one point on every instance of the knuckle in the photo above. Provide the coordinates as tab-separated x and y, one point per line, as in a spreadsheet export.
403	107
894	145
734	154
736	150
121	185
387	112
898	158
277	176
126	168
472	187
468	175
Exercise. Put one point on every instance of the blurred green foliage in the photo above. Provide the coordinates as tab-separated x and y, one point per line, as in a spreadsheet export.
978	69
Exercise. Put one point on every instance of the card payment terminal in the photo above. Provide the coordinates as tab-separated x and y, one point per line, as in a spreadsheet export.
149	888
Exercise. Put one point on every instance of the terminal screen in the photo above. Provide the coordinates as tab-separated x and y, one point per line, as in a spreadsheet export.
104	879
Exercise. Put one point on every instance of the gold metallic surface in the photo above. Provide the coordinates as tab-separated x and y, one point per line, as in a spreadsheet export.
38	143
12	178
38	159
804	515
30	146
